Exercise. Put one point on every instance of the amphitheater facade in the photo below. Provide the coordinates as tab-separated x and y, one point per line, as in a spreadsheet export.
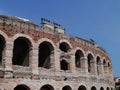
46	58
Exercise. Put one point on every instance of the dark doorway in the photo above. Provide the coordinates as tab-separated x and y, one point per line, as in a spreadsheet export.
64	47
90	59
21	51
45	50
64	65
93	88
2	45
78	56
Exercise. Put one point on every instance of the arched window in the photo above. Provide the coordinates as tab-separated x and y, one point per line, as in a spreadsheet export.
21	51
21	87
47	87
101	88
93	88
45	50
90	62
78	55
64	65
2	46
67	88
108	88
82	88
64	47
98	65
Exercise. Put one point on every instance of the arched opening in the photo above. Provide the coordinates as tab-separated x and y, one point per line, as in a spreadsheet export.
108	88
2	46
105	66
93	88
47	87
64	65
64	47
101	88
98	65
21	51
21	87
45	52
66	88
82	88
78	55
90	62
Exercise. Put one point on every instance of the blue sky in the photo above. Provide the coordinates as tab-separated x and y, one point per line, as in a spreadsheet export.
96	19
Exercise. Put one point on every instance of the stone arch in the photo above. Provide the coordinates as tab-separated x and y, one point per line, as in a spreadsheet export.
4	35
82	87
93	88
46	51
79	55
101	88
47	87
25	36
21	87
67	87
98	65
47	40
21	51
91	62
64	45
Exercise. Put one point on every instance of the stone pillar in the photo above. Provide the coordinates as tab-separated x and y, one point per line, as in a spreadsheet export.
7	59
83	62
57	64
52	58
100	69
72	63
93	67
34	62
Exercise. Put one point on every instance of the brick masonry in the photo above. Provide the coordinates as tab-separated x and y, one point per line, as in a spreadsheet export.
100	76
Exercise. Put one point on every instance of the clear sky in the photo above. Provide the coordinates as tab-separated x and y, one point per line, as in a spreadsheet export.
96	19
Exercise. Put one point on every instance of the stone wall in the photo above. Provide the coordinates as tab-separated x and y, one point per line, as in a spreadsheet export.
94	70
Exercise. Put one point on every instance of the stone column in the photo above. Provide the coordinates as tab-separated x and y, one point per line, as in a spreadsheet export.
72	64
34	62
93	67
57	64
84	65
7	59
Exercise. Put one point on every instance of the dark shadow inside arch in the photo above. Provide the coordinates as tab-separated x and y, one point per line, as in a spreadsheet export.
45	50
64	47
2	45
78	56
82	88
93	88
21	87
101	88
64	65
108	88
21	51
90	59
98	65
47	87
66	88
